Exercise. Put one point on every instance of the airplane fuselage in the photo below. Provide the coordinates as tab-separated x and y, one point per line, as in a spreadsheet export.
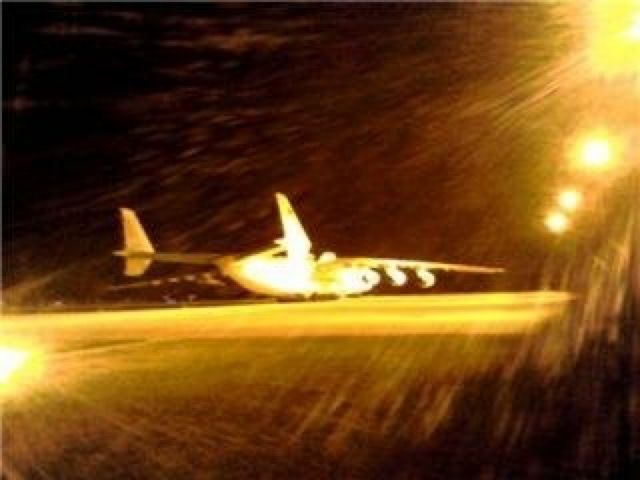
288	269
281	276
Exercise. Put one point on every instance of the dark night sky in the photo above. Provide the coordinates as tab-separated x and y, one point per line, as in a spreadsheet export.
424	131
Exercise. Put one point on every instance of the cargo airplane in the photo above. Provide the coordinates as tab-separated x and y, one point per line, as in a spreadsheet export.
289	269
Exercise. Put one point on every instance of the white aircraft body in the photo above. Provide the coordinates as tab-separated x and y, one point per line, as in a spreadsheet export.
289	269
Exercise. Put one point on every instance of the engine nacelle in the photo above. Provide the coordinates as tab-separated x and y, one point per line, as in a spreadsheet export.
427	278
327	257
357	280
397	276
370	277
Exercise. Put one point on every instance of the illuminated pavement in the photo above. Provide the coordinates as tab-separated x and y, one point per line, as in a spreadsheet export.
496	313
437	386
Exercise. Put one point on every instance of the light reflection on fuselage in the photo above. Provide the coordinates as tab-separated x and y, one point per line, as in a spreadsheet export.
282	275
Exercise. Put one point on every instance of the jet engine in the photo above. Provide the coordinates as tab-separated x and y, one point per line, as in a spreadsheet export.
397	276
428	279
370	277
357	280
326	257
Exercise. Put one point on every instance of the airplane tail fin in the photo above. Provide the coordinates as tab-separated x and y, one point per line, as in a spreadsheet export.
295	239
138	251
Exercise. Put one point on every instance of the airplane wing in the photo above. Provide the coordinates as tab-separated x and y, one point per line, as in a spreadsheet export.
413	265
186	258
197	278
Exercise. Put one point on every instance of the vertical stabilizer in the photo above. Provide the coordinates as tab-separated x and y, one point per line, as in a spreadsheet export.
138	250
295	238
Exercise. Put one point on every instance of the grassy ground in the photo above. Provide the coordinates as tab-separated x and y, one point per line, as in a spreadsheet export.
403	407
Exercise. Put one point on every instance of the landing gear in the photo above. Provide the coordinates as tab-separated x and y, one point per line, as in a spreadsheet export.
314	297
320	297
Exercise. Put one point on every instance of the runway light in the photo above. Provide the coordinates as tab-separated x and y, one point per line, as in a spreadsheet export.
614	36
569	199
11	360
595	152
557	222
18	365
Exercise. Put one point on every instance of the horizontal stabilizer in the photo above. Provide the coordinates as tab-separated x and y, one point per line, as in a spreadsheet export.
134	267
138	252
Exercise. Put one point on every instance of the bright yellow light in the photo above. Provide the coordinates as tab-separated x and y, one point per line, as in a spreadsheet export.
633	34
596	152
11	361
614	36
19	365
569	199
277	275
557	222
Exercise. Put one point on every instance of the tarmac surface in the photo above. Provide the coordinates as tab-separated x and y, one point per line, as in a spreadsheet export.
437	387
494	313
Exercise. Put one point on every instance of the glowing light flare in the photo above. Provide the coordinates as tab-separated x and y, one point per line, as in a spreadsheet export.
569	199
633	34
18	365
11	360
557	222
596	152
614	36
286	276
